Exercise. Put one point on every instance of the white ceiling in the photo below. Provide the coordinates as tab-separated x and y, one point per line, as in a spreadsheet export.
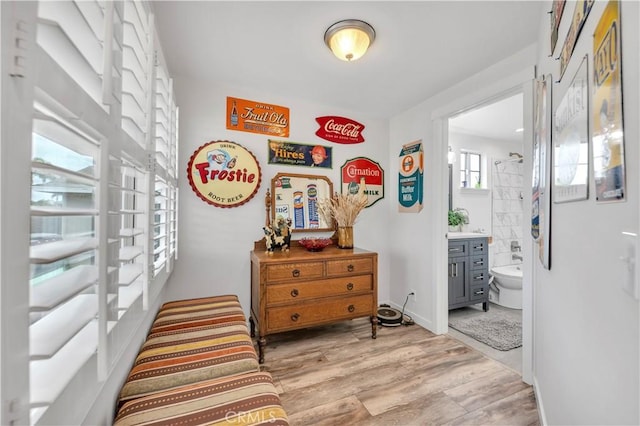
496	120
421	47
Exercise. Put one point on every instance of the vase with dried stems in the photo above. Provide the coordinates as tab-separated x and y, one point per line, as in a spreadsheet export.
344	209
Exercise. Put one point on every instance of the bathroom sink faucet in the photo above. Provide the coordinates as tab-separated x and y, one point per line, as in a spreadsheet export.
516	257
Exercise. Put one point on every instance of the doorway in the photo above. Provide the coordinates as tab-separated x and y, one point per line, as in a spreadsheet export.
486	184
468	103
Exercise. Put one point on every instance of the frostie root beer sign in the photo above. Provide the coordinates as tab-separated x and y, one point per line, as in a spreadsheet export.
224	174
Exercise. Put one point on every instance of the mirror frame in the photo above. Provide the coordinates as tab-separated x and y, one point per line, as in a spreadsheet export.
271	199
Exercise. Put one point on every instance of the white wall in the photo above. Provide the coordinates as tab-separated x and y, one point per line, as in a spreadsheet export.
478	202
586	327
214	242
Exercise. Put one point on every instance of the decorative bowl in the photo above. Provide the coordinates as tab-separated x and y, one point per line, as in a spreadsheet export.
315	244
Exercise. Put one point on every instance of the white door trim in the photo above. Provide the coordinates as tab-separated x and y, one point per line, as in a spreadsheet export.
519	82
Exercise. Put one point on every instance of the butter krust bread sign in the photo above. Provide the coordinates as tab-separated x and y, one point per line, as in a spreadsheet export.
224	174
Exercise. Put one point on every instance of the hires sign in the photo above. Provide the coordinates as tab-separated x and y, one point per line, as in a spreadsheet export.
340	130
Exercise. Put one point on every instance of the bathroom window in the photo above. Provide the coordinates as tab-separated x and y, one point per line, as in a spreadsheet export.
470	170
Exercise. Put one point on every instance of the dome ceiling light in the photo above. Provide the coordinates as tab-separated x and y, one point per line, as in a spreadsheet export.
349	39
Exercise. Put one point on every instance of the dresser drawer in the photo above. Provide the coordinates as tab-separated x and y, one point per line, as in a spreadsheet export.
294	271
312	289
478	292
349	266
324	311
478	277
458	248
478	262
478	246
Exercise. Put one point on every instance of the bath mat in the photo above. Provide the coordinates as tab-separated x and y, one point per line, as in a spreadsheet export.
499	328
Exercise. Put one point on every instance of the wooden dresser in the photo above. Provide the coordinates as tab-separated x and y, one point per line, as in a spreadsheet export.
300	289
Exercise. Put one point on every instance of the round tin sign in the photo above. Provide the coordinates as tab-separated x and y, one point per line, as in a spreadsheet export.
224	174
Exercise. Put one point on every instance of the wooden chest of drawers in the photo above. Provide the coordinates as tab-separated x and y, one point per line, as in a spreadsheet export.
299	289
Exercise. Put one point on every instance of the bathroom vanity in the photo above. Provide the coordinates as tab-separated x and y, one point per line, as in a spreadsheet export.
468	270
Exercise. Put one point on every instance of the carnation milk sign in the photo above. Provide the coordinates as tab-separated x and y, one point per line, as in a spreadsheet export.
361	170
410	178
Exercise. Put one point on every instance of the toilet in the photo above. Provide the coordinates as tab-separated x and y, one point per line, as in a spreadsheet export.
506	286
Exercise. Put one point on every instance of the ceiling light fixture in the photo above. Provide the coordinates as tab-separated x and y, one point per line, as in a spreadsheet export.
349	39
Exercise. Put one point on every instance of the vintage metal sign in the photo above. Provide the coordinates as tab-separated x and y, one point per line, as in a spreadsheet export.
410	178
571	141
224	174
363	171
298	154
556	15
580	14
257	117
608	131
340	130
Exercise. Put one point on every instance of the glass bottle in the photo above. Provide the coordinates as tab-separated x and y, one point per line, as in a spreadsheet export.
234	114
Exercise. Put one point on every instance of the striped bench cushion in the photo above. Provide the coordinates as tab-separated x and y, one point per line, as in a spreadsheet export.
197	312
248	399
182	354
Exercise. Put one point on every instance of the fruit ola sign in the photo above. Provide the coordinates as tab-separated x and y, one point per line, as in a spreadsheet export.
363	170
340	130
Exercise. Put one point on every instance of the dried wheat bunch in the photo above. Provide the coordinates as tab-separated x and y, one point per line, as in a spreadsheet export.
343	208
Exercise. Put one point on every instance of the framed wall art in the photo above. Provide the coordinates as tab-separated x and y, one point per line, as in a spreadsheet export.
541	185
580	14
571	140
608	131
556	16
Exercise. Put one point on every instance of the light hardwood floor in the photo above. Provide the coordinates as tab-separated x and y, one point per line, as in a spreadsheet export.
338	375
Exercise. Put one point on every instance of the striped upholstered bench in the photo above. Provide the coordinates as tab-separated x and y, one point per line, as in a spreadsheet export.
196	345
244	399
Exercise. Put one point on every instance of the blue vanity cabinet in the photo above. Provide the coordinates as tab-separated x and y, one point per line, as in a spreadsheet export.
468	272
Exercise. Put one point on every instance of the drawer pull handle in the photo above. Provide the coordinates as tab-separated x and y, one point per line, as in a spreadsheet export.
350	268
455	249
351	308
453	270
479	292
294	292
295	317
480	247
296	273
350	286
479	277
479	262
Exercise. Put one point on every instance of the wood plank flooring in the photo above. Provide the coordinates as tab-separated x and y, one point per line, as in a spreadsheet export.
338	375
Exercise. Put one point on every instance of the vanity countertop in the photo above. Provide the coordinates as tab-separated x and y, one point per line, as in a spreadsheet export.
460	235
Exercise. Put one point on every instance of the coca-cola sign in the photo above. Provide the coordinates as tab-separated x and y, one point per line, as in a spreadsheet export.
340	130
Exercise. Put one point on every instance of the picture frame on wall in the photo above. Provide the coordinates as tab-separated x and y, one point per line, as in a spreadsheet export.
541	179
580	14
571	140
556	16
607	111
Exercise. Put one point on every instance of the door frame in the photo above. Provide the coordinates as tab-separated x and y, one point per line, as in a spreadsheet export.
516	83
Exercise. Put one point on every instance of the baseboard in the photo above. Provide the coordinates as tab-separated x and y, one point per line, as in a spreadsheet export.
421	321
542	417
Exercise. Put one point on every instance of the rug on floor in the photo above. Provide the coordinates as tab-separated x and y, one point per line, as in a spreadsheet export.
501	329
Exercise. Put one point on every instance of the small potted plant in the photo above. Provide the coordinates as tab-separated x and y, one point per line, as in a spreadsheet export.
456	219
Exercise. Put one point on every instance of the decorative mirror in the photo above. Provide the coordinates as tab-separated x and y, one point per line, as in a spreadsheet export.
295	197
